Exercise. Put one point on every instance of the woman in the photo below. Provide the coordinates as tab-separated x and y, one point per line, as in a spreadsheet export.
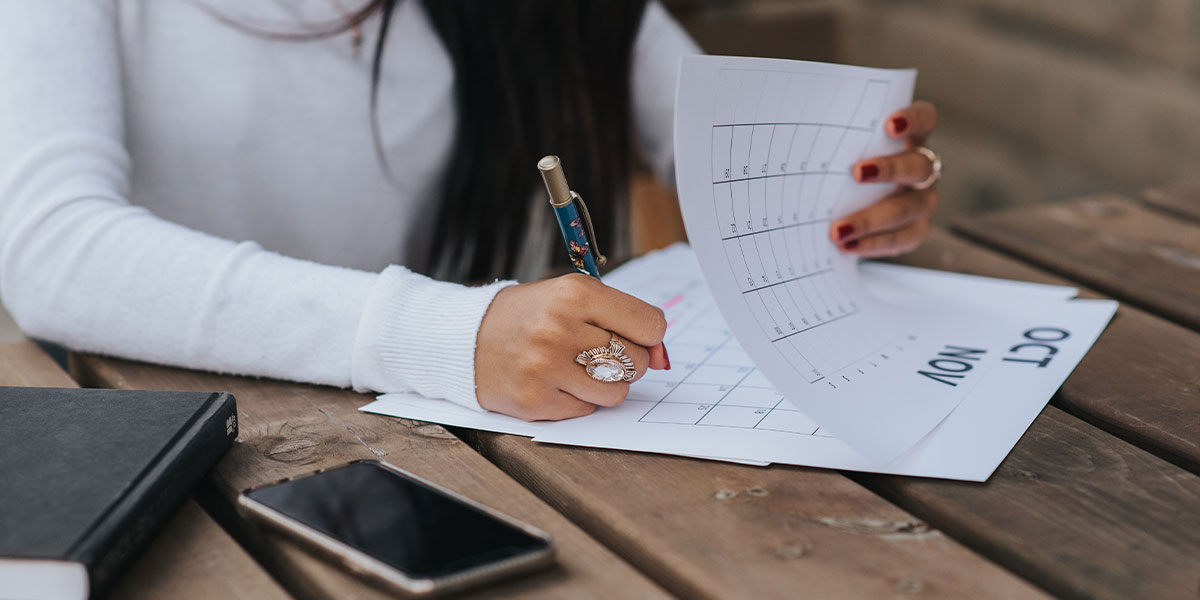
188	183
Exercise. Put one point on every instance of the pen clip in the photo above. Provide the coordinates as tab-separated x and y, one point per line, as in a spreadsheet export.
588	231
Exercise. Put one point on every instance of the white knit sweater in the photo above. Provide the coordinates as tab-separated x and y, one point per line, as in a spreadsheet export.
177	191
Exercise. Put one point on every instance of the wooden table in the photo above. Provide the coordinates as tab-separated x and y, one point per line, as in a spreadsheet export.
192	553
1099	499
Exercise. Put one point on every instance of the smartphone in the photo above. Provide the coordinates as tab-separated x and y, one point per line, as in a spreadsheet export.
398	530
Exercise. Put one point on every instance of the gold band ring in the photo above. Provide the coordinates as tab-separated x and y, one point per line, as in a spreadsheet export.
935	168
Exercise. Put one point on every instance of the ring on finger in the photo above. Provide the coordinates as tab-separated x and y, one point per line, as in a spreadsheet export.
608	363
935	168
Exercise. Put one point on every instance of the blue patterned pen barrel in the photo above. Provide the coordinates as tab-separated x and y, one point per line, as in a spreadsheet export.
573	218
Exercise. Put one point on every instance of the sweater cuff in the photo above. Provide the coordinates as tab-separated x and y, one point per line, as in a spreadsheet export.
418	334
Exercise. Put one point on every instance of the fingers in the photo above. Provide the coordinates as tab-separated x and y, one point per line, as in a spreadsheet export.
604	393
558	406
890	243
616	311
658	357
905	168
916	122
894	212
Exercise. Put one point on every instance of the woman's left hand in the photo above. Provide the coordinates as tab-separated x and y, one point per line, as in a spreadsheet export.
900	222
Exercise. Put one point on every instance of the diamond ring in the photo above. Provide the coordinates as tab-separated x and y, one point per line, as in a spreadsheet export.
608	363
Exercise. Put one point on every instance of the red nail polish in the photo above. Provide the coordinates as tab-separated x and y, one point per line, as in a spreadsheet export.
666	357
844	230
868	172
850	245
899	124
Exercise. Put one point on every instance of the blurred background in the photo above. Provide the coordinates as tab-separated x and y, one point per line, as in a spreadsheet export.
1041	100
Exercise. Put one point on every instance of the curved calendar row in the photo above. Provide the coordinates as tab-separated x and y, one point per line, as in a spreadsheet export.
782	151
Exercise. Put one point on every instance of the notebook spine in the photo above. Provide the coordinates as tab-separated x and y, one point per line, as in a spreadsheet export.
159	492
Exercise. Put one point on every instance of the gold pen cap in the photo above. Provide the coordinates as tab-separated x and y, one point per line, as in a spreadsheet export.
556	181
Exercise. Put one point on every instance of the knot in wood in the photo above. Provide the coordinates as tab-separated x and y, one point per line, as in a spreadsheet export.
910	529
793	551
725	494
292	450
436	432
909	585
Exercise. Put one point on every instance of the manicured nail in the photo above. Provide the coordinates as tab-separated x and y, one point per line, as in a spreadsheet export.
844	230
868	172
850	245
899	124
666	357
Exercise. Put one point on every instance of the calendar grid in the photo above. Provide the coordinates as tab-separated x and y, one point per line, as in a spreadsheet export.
774	175
773	210
816	124
720	388
780	228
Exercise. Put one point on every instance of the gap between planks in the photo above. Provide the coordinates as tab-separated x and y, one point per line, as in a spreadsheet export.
289	429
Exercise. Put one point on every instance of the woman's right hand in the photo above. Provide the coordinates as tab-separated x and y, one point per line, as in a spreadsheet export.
525	354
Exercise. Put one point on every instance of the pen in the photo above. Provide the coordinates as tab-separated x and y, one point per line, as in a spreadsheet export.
580	236
573	219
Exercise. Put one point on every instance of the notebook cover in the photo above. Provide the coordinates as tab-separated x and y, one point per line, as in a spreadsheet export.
91	475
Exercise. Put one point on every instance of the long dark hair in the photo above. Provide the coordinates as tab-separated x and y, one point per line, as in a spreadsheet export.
532	77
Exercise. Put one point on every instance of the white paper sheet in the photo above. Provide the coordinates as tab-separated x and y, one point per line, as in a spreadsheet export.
763	152
714	403
419	408
898	284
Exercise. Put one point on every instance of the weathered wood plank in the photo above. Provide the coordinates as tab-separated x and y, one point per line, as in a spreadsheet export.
290	429
24	364
1074	510
191	557
1140	381
1181	200
1110	243
194	558
716	530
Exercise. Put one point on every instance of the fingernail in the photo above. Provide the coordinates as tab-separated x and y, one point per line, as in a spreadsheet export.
850	245
844	230
899	124
868	172
666	357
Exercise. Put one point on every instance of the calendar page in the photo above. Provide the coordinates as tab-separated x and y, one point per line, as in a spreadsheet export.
764	150
714	403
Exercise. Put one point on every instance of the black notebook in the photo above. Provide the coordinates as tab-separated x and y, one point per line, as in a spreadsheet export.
87	477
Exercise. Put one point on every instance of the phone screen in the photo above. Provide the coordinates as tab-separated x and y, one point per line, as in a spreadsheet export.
418	530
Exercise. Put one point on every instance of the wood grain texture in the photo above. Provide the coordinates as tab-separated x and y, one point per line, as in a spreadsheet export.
1140	381
194	558
1075	510
290	429
707	529
191	557
1112	244
1181	200
24	364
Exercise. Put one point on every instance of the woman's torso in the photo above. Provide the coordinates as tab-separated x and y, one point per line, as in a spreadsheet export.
250	137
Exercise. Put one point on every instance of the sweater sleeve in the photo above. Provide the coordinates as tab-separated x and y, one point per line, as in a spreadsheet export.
83	267
661	42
